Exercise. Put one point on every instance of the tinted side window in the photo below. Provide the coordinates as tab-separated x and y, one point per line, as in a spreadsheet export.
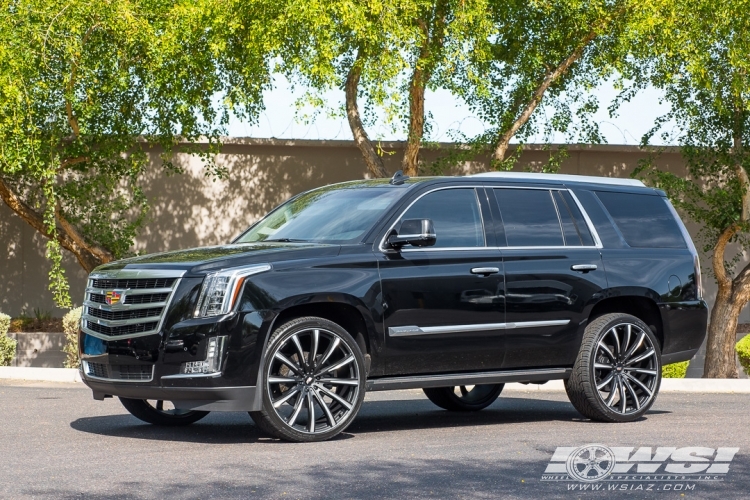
455	215
645	221
575	230
529	217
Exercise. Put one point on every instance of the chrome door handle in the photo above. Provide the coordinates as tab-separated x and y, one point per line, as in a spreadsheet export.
584	268
485	271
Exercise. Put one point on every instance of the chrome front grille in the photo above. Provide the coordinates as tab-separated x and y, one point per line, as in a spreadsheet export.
124	373
127	303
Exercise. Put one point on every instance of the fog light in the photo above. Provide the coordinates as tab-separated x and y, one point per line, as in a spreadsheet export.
212	364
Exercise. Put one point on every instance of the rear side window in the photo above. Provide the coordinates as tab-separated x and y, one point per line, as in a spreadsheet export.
455	215
645	221
529	217
575	230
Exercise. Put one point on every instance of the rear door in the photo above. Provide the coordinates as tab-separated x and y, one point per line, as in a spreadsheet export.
553	273
444	305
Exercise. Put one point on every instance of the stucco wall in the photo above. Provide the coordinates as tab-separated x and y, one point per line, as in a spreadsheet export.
192	210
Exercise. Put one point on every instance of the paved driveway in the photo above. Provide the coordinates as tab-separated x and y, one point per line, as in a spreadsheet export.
57	442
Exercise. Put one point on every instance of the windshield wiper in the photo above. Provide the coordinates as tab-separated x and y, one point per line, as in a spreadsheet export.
285	240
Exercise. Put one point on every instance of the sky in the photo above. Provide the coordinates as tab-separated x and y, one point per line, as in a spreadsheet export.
449	114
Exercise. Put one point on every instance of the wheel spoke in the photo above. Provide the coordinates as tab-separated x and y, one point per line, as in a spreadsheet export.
606	381
640	370
297	410
335	396
291	364
310	412
329	351
633	395
339	381
335	367
635	346
283	380
621	390
616	343
286	397
602	366
606	350
300	351
626	340
324	406
640	358
313	349
612	393
641	384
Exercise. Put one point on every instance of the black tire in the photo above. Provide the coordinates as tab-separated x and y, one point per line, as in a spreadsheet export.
474	399
143	410
622	349
312	381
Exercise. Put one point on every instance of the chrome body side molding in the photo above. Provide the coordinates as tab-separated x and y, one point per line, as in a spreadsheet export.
408	331
454	379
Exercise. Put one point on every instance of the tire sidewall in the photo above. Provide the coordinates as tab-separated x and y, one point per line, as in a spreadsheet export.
280	336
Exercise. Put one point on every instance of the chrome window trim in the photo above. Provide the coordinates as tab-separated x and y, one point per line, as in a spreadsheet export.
386	250
589	223
130	274
412	331
559	219
85	364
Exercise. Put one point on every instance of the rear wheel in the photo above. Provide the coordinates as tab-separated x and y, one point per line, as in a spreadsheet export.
313	381
464	397
160	412
618	370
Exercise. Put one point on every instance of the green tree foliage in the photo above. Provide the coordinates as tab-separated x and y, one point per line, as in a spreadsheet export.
87	88
697	54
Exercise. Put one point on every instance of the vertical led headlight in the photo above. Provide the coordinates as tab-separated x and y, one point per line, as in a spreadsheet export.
221	289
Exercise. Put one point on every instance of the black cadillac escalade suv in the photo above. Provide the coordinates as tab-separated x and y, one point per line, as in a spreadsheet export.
453	285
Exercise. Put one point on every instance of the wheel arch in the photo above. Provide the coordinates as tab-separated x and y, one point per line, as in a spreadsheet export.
640	306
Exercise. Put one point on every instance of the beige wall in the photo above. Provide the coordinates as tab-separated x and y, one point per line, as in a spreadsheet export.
191	210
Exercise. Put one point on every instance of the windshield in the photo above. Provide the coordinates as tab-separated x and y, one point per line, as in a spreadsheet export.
330	215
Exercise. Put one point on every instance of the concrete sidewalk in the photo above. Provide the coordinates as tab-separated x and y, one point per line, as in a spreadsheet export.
696	385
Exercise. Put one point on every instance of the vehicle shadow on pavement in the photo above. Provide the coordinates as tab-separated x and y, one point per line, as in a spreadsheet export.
374	416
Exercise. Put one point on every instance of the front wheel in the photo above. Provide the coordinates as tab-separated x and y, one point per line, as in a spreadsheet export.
464	397
618	370
313	381
158	412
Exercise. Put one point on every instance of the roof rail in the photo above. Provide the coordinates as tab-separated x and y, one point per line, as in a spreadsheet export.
562	178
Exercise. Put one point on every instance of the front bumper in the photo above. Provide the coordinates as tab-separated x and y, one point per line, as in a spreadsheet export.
185	398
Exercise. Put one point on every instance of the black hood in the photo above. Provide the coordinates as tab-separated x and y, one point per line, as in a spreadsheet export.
202	259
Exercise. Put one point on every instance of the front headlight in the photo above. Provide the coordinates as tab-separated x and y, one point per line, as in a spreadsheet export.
220	290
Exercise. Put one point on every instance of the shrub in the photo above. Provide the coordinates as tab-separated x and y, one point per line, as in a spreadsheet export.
71	322
743	352
675	370
7	344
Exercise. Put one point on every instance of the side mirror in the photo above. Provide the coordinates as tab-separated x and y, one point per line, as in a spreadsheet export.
414	232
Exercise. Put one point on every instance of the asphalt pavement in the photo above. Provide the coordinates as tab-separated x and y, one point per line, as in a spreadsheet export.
57	442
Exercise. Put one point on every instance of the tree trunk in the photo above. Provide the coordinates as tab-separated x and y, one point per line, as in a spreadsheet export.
410	162
720	356
373	161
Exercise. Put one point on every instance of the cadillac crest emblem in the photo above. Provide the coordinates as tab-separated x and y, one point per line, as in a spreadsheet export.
112	297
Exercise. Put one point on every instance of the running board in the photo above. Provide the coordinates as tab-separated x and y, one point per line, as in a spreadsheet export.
454	379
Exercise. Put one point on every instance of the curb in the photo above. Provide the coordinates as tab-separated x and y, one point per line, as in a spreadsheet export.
685	385
40	374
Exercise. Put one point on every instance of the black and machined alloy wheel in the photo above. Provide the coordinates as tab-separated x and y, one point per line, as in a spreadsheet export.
159	412
618	370
313	381
464	397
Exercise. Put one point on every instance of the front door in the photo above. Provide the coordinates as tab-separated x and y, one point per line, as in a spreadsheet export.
553	275
445	304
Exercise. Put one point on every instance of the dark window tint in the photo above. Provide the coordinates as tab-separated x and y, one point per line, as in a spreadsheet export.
645	221
455	215
575	230
529	217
